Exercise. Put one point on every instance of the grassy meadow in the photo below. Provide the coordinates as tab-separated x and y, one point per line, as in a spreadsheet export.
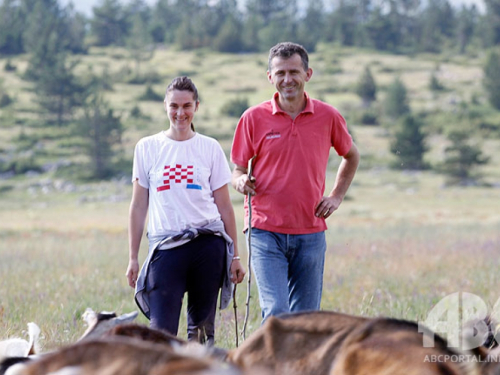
400	242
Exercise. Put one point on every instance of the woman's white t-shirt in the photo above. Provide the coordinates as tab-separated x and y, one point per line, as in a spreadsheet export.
181	177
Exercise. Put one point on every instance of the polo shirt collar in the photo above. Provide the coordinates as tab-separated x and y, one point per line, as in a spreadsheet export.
276	108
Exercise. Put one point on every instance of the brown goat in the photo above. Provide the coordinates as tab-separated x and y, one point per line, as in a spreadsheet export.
330	343
124	356
148	334
300	343
144	333
386	346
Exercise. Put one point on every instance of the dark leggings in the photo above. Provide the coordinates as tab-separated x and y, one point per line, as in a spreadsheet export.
197	268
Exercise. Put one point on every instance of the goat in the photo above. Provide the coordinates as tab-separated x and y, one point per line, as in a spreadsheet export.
124	356
17	347
331	343
145	333
385	346
296	343
100	323
16	350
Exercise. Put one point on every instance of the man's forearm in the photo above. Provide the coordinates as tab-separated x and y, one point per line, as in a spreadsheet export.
345	173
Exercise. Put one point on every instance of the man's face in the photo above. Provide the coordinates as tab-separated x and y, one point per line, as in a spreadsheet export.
289	77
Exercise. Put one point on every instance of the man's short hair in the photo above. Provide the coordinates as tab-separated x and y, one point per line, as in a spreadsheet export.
287	50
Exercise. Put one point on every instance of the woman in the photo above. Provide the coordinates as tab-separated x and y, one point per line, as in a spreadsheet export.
181	177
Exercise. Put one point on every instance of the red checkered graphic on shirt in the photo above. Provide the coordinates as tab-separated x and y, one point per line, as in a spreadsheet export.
175	174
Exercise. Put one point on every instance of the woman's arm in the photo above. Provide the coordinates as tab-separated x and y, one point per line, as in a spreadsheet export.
225	207
137	221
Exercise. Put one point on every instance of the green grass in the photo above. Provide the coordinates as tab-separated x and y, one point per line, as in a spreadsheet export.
51	277
399	243
397	246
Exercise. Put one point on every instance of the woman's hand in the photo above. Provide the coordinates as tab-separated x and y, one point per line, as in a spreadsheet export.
132	273
237	271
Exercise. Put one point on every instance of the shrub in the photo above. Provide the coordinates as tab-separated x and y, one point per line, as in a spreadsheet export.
434	84
135	112
369	117
27	164
235	107
147	78
150	95
20	165
5	100
366	88
8	67
462	158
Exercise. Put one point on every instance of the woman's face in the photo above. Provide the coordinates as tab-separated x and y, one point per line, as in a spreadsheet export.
180	107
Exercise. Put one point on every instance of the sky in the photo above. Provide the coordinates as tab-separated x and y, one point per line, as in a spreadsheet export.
85	6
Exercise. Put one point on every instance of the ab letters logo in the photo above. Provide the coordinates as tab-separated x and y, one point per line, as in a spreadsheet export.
461	318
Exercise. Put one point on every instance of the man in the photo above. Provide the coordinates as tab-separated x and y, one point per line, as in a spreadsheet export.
290	137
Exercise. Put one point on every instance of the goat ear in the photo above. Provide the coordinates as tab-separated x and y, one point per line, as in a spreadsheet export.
105	315
127	318
479	334
34	334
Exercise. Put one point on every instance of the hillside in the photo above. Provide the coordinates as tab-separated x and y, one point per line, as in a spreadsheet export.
401	240
223	77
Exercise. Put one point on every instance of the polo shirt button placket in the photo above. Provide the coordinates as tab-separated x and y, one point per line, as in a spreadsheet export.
294	128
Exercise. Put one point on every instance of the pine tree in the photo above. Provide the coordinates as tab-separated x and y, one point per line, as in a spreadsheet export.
396	100
102	132
491	80
58	88
311	27
383	30
229	37
466	25
492	22
438	23
462	158
11	28
165	20
409	144
75	24
140	43
367	88
185	36
270	21
434	83
109	24
342	24
251	26
44	37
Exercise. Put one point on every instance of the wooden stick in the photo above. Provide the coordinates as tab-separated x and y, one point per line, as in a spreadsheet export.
249	264
235	307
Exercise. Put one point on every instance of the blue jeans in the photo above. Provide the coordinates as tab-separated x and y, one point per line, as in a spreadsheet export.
289	270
